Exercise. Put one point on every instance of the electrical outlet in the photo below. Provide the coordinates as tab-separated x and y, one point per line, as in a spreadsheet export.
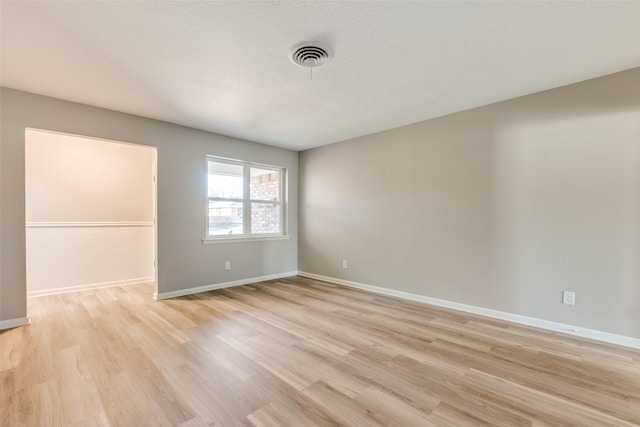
227	265
345	263
569	297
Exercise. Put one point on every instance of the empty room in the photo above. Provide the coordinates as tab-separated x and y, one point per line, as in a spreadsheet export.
314	213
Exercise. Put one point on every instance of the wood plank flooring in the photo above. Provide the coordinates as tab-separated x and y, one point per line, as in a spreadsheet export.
299	352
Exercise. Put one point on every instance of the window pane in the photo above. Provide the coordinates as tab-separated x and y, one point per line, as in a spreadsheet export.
225	180
265	218
225	217
265	184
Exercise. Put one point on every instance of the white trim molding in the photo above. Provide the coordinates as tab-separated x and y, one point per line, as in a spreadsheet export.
245	239
90	286
65	224
579	331
205	288
14	323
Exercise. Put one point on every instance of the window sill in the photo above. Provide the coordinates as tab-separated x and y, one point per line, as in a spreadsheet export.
244	239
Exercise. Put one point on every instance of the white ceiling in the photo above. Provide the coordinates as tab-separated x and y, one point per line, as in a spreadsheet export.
224	66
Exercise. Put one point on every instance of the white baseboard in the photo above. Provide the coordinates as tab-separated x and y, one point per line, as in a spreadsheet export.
205	288
89	286
14	323
516	318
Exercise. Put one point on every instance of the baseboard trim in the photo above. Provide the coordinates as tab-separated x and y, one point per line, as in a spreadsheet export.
90	286
579	331
14	323
205	288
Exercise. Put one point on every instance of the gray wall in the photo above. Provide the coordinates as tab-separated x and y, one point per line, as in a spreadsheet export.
183	260
501	207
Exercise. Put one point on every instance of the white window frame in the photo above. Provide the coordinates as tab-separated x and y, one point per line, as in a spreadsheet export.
246	203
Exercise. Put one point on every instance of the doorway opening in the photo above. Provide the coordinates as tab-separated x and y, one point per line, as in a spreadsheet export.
90	209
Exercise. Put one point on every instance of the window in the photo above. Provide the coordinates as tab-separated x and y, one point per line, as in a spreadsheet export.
244	199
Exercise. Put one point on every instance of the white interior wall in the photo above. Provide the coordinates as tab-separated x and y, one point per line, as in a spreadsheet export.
89	212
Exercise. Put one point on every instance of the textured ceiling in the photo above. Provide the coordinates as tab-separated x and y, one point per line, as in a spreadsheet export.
224	66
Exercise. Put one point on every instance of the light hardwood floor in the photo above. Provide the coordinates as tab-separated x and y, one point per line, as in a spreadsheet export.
299	352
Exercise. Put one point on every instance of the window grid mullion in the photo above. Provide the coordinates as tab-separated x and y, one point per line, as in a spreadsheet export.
224	199
247	200
282	194
273	202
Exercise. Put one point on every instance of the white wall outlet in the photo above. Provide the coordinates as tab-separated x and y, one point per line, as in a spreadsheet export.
569	297
345	263
227	265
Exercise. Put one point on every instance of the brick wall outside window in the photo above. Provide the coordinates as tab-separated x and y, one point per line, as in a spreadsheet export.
264	217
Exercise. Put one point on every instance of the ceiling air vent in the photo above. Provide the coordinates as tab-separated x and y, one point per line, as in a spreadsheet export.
311	54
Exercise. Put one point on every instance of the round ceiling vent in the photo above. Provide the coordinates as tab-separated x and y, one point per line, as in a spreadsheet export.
311	54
